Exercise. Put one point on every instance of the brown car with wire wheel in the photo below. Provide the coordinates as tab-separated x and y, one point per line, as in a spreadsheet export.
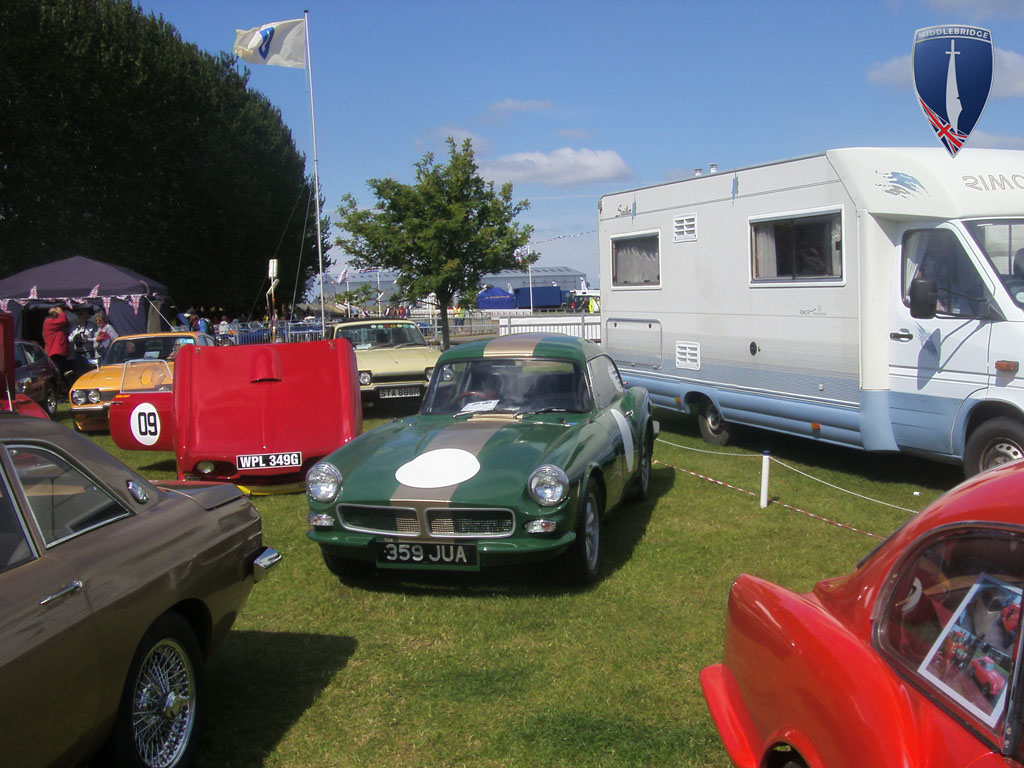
114	590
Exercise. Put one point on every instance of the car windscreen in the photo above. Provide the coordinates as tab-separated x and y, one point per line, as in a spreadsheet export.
527	385
1002	242
150	348
381	335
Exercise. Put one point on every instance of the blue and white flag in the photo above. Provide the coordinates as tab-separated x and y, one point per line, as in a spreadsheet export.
280	43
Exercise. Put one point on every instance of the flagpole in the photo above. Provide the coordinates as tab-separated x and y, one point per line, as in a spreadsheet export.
316	175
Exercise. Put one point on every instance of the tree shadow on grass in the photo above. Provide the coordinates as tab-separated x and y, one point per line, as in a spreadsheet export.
622	532
258	684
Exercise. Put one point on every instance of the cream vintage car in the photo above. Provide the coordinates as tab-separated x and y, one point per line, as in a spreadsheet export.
393	358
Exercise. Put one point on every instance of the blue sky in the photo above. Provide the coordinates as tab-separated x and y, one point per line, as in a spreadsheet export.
573	100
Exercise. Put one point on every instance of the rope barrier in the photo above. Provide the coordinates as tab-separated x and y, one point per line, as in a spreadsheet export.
764	501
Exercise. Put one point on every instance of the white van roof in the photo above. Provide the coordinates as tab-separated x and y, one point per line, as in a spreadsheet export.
927	182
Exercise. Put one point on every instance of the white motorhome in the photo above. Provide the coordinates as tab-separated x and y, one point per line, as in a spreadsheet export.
866	297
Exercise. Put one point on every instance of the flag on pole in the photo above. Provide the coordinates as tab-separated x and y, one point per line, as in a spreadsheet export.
280	43
343	275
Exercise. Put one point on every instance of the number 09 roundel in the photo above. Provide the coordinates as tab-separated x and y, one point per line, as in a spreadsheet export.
145	424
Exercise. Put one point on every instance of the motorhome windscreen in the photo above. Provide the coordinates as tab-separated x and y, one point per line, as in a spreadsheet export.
1002	242
797	248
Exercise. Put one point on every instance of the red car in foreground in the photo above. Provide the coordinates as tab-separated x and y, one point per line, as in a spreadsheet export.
911	660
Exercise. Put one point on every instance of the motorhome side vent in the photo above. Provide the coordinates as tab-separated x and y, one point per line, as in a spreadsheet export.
684	228
688	355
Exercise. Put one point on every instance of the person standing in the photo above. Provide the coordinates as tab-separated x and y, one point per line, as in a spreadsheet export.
55	339
105	334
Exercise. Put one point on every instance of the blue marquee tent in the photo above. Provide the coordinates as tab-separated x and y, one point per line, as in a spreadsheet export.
495	298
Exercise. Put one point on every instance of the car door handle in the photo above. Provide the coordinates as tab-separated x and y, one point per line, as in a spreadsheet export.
901	335
74	586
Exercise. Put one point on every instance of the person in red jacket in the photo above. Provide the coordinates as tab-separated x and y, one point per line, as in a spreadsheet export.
55	337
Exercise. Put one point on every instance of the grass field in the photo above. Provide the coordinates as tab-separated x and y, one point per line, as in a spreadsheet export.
510	669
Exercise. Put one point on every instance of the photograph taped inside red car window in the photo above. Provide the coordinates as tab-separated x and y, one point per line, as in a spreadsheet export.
956	619
971	659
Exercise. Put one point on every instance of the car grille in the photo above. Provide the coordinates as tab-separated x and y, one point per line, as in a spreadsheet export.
475	523
398	520
392	378
441	522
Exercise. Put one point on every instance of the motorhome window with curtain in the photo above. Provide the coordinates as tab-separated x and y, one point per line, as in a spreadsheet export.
636	261
797	248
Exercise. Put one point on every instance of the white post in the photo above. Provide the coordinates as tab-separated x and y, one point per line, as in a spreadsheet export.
316	176
765	462
530	268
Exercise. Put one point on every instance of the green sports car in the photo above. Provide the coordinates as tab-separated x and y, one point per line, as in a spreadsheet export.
520	447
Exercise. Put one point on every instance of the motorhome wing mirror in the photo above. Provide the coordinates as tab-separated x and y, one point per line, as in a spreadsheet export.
923	298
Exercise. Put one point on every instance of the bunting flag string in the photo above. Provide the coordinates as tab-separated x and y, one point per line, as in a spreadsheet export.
563	237
134	300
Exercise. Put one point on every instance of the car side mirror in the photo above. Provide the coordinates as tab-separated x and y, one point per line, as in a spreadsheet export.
923	298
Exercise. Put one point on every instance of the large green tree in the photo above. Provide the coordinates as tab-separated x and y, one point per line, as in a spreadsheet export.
121	142
443	233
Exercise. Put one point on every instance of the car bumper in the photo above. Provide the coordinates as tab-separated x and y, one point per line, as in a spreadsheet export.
394	391
729	715
91	417
490	552
263	562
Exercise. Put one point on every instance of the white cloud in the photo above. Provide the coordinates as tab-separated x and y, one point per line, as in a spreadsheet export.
979	140
1007	74
897	71
563	166
518	105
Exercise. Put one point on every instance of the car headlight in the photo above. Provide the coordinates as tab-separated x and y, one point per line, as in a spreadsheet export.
428	373
94	396
548	485
365	378
79	396
323	481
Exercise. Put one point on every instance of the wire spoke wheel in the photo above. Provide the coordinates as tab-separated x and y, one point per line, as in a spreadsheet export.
163	711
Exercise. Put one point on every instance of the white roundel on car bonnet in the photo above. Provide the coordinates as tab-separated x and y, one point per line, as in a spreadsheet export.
438	468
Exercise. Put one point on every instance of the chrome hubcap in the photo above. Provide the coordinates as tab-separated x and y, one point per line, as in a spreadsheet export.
1001	452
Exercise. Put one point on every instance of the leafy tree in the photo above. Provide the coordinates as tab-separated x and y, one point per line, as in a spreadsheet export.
121	142
357	297
442	233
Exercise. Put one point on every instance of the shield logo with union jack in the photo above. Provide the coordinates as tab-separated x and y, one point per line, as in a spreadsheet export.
953	79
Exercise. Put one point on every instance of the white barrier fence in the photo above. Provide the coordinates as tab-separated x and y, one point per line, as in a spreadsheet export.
584	326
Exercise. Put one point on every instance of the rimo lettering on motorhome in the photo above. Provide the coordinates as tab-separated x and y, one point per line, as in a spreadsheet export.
993	183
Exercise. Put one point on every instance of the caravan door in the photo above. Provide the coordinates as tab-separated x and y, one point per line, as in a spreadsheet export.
936	364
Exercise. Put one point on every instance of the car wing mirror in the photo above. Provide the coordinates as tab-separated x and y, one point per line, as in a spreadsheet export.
923	298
